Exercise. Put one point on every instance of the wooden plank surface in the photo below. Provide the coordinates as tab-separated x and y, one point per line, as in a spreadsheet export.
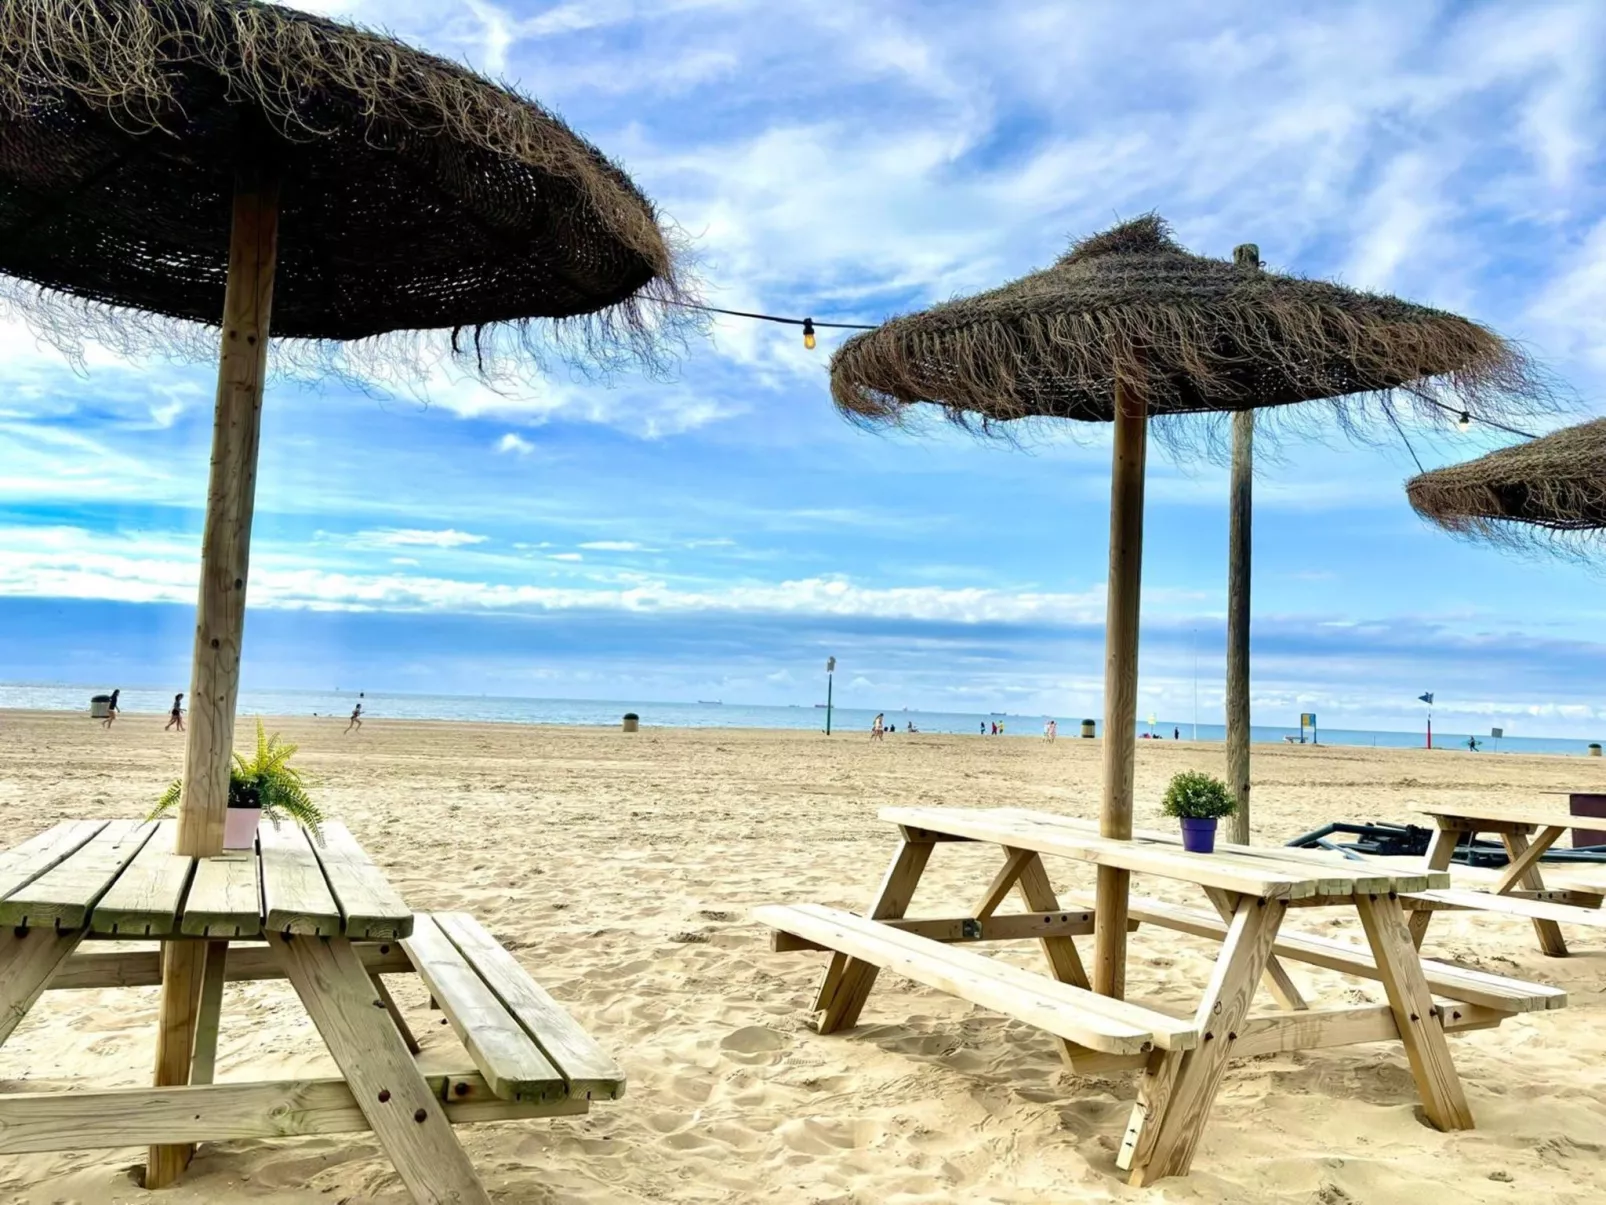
295	896
1325	1027
225	898
22	864
407	1117
1278	982
249	962
1458	983
1523	871
29	959
1090	1020
62	897
57	1121
371	909
1509	905
511	1062
146	898
1024	831
1441	850
847	982
1421	1032
1537	815
589	1070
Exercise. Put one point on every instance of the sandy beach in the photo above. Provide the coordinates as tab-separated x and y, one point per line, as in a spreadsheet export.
621	869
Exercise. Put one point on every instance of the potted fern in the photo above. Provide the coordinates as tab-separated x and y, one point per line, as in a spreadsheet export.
265	785
1198	800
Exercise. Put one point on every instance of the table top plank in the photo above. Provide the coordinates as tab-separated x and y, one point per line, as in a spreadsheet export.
372	909
22	864
1026	831
1509	813
1340	875
62	897
145	899
225	898
295	896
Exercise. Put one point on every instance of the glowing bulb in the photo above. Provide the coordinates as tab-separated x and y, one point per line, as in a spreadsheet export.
808	333
1464	422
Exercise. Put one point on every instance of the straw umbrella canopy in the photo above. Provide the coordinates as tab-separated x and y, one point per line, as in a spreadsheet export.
1547	493
272	174
1127	325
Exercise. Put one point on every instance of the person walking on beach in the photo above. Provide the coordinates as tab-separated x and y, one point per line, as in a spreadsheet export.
1051	730
984	727
878	727
356	719
1176	734
176	716
111	709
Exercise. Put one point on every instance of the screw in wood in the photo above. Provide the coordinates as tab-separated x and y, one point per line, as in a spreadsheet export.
384	1095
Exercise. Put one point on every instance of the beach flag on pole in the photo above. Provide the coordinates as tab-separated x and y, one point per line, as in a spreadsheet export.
1427	697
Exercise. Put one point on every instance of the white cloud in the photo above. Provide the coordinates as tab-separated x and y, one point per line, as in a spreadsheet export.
612	546
515	443
412	537
566	556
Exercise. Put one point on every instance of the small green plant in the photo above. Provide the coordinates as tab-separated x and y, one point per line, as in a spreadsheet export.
266	781
1193	795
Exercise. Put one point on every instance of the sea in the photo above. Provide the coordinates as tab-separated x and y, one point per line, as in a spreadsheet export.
379	706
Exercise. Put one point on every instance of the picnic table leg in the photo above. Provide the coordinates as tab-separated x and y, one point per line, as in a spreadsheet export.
183	963
1524	872
848	981
29	958
1279	982
1155	1086
204	1061
407	1118
1421	1027
1441	848
1242	962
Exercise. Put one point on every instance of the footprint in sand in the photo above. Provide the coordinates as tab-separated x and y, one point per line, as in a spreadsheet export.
753	1041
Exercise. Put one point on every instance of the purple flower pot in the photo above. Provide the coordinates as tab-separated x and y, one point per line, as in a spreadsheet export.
1199	836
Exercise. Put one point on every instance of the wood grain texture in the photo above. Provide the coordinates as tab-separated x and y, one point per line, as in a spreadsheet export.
1523	871
407	1117
22	864
28	961
225	897
587	1069
295	896
509	1059
247	962
203	1062
1441	850
847	982
371	909
146	898
1120	681
183	976
62	897
1278	982
1421	1032
1003	882
67	1121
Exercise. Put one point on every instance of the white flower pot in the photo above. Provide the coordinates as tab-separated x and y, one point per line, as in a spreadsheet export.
240	827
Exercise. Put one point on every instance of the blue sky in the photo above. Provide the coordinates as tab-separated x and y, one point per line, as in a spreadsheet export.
719	534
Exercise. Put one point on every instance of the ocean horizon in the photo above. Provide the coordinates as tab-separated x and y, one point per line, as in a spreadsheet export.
381	705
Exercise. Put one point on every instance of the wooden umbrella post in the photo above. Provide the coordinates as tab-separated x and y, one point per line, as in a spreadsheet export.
1240	540
220	609
1120	681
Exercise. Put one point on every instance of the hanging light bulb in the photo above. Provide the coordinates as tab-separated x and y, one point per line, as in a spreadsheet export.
1464	422
808	333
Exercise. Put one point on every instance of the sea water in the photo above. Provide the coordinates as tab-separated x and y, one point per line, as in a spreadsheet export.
605	712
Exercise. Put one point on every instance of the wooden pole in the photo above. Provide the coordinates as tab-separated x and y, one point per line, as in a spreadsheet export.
1240	540
1120	681
220	610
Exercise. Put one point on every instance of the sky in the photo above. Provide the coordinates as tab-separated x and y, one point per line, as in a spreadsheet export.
719	533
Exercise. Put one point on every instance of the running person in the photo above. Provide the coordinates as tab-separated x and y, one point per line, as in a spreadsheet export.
176	716
356	719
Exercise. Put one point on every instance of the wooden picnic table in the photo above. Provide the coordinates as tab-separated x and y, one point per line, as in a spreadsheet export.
1527	832
1181	1060
321	914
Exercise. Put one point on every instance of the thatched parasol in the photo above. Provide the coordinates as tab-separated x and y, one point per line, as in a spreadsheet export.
1128	325
252	168
1547	493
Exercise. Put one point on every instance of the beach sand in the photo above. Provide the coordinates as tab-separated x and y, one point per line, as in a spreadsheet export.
621	870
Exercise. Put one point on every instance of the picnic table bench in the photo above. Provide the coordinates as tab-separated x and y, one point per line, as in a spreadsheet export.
321	914
1180	1060
1520	888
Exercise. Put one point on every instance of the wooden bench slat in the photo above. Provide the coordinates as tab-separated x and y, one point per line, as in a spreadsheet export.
225	897
1073	1013
22	864
370	907
1022	830
590	1071
145	899
1457	983
62	897
295	896
1486	901
512	1064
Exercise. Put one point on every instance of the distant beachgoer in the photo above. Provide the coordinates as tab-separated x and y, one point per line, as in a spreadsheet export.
1176	734
995	728
1051	730
1000	727
176	716
111	709
878	727
356	719
984	727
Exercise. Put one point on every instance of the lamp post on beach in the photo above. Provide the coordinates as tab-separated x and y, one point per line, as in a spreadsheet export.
830	669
